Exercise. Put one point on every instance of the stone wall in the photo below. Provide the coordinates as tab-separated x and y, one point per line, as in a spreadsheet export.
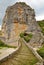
20	18
33	51
11	54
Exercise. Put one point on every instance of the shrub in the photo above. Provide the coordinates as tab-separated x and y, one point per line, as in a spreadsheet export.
30	35
1	43
21	35
41	24
26	36
22	3
41	52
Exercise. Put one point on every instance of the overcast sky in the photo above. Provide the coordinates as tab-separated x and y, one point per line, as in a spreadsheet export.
38	5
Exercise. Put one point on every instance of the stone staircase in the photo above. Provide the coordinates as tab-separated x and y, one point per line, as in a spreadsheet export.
23	57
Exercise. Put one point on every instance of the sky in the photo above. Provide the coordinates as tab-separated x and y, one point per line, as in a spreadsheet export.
37	5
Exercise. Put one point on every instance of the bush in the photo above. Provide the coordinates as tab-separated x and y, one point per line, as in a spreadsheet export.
26	36
1	43
41	52
41	24
30	35
21	35
22	3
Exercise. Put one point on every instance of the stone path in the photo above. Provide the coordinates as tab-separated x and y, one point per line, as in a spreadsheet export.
23	57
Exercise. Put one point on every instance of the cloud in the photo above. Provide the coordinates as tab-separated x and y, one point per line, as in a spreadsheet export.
0	27
40	17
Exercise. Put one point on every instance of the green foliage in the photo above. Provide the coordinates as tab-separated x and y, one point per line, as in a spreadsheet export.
0	32
21	35
2	44
41	51
34	61
26	36
23	3
41	24
30	35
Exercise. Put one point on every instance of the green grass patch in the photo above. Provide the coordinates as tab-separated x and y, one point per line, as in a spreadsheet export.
26	36
41	51
2	44
41	24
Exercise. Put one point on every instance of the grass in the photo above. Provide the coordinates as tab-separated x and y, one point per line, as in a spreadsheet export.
41	24
30	59
0	33
41	51
26	36
2	44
